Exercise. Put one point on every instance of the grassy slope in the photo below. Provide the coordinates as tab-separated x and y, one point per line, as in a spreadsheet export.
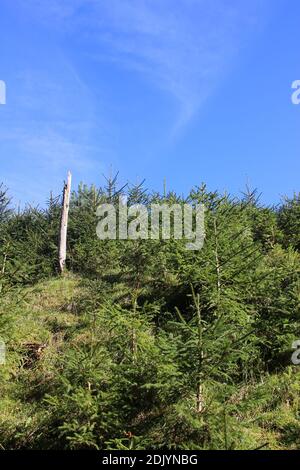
47	319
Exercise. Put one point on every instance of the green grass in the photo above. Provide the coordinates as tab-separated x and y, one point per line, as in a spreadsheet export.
48	326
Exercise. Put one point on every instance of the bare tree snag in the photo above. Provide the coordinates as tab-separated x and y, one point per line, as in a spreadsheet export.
64	224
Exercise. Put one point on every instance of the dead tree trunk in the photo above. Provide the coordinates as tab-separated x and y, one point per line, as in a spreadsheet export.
62	251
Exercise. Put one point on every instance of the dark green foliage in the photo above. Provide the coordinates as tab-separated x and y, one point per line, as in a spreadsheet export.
145	344
289	221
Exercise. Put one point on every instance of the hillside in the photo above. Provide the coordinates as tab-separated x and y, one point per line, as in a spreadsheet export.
144	344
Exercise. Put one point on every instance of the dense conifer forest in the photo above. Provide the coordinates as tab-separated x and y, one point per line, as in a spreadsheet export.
142	344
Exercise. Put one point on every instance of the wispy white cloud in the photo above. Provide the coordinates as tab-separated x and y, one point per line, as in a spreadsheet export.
47	129
183	46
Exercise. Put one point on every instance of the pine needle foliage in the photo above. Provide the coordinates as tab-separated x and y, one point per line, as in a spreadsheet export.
144	344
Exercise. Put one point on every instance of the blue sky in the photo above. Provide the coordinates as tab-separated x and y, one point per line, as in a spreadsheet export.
187	90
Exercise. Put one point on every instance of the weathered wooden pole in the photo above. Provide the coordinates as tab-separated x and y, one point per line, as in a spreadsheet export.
62	250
